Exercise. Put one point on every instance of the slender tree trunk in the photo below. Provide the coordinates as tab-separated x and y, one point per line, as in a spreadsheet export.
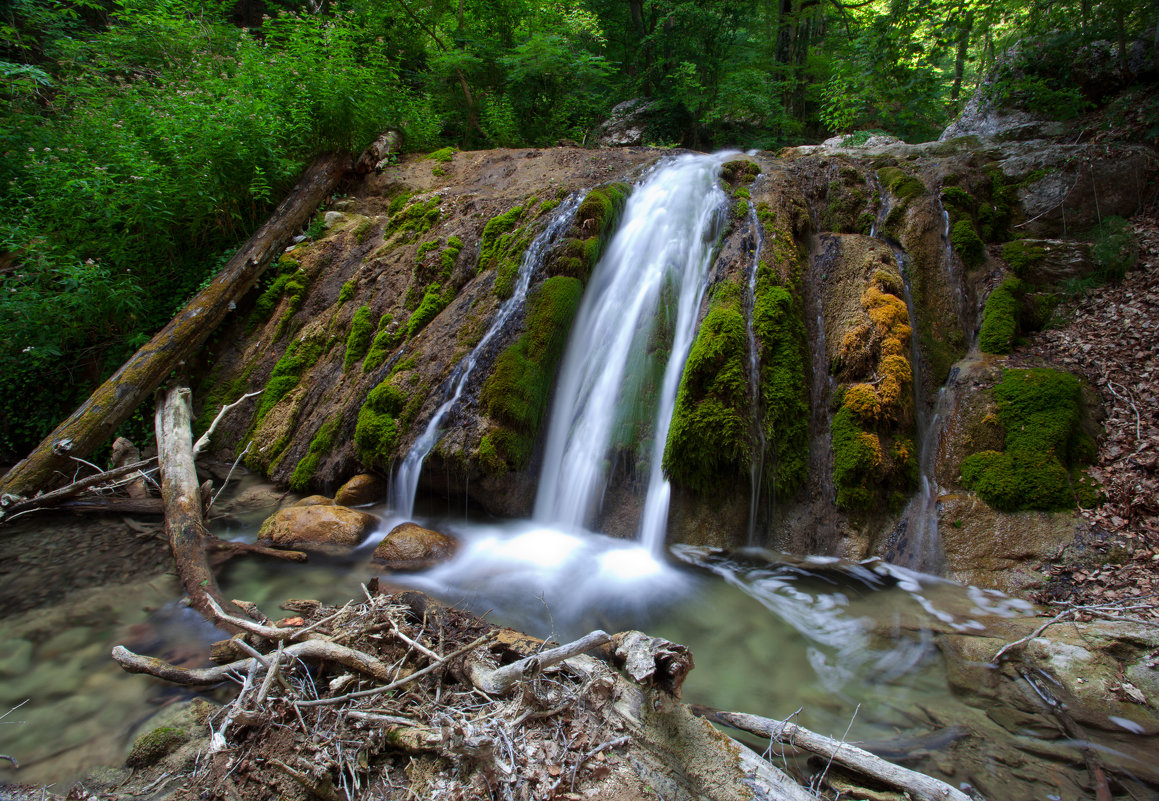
960	62
120	395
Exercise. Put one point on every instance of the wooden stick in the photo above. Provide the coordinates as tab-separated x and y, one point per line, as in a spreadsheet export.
59	495
496	681
203	440
309	649
918	785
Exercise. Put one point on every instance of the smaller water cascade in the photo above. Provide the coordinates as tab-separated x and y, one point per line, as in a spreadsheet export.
757	468
953	274
406	480
660	254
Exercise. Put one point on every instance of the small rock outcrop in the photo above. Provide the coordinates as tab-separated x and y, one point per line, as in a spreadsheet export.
328	529
627	125
411	547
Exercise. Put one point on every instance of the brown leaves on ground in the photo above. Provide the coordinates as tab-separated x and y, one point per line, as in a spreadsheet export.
1112	338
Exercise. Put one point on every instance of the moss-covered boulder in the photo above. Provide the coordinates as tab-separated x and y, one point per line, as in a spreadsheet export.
409	546
151	747
329	529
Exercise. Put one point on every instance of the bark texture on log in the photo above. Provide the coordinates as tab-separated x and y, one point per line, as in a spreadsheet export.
184	522
116	399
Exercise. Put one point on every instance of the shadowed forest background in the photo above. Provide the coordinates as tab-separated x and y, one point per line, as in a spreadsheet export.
142	140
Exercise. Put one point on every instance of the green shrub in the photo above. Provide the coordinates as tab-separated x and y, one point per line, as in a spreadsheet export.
442	155
967	243
320	445
1115	249
358	340
1041	412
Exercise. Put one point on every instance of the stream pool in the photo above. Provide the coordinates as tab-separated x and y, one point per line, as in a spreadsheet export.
850	649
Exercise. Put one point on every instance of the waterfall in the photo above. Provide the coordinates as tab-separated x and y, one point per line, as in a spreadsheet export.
757	468
657	261
406	480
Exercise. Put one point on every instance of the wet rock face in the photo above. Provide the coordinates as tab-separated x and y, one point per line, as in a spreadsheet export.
329	529
409	546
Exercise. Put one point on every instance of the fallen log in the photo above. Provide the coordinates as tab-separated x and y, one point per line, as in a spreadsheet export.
184	521
58	496
916	785
116	399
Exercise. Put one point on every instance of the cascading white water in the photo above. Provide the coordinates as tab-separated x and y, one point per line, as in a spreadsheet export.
406	480
661	253
758	465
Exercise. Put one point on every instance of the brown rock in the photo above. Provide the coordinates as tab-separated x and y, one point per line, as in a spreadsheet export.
317	528
411	547
316	500
362	489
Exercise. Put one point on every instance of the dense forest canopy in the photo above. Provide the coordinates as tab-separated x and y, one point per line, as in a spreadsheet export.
143	139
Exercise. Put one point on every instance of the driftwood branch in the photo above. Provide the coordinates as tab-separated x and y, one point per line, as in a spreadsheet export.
496	681
917	785
203	440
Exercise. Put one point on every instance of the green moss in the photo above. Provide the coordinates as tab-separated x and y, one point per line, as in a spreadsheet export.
151	748
320	445
426	247
432	303
708	441
546	206
739	171
515	394
438	171
1041	412
967	243
900	184
1115	249
1000	317
448	256
1022	256
358	340
493	231
595	218
846	202
398	202
377	431
416	219
780	329
742	192
347	291
855	461
299	357
442	155
740	209
363	230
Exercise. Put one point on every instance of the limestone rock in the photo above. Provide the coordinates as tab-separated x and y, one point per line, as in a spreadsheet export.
411	547
316	500
627	124
317	528
362	489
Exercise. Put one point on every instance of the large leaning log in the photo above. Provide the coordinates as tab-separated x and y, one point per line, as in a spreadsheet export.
116	399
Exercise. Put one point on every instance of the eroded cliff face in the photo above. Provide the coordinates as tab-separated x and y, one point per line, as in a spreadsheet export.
849	282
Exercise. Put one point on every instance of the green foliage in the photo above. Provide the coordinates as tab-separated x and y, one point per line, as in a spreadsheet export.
708	441
442	155
515	394
358	340
347	291
1115	249
299	357
1000	317
384	342
967	243
320	445
377	431
415	219
1041	412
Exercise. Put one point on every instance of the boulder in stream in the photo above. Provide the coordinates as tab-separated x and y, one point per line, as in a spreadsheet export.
409	546
328	529
362	489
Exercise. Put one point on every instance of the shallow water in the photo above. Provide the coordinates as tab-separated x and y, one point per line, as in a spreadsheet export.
847	648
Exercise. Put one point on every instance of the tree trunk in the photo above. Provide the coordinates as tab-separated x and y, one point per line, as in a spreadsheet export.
117	398
960	62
